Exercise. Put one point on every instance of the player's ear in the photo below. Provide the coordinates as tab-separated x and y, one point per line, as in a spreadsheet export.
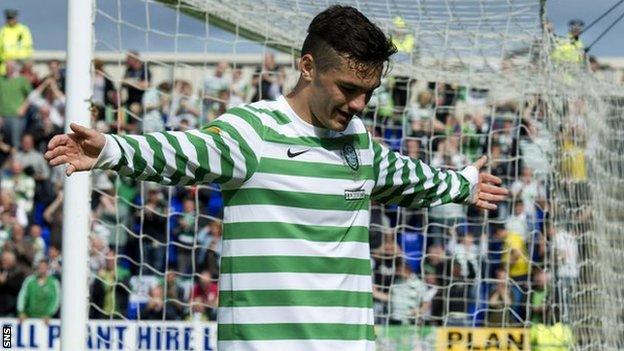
306	67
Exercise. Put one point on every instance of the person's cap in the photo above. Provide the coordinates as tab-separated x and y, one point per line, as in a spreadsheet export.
10	13
576	23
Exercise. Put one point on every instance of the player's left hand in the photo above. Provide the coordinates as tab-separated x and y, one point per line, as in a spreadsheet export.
487	190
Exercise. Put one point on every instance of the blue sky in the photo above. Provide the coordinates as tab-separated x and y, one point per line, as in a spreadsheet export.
49	27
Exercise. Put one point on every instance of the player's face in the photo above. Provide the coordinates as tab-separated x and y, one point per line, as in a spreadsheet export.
340	93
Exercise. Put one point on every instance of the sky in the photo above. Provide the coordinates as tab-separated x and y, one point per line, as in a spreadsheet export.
49	27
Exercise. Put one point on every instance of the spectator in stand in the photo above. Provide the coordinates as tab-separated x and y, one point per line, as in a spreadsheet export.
474	133
14	90
413	149
21	186
436	263
458	298
107	296
266	81
136	81
447	154
156	106
38	244
531	191
108	213
57	72
15	40
210	243
468	254
386	261
40	295
42	127
11	278
403	39
55	260
444	218
9	214
422	116
506	138
5	147
184	106
239	89
104	92
97	253
215	82
495	247
409	297
49	100
53	217
198	311
21	246
154	221
517	222
206	292
539	296
379	222
174	294
31	157
503	167
28	71
220	105
380	106
185	233
500	302
500	165
516	261
155	308
566	251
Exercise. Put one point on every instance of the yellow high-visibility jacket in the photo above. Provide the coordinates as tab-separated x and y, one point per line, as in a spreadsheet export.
15	44
568	50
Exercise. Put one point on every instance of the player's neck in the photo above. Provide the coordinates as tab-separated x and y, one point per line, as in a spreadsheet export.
298	101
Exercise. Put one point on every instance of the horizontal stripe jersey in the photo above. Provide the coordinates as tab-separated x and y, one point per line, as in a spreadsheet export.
295	267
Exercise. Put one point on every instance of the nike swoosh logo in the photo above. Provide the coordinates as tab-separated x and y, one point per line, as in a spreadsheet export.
295	154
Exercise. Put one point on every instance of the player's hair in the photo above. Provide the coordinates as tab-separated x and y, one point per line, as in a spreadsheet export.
345	31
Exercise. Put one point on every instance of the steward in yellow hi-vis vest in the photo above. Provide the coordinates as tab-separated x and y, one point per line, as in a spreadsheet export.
404	41
570	49
402	38
15	40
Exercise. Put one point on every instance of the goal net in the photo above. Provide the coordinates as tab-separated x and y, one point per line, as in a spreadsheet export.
471	78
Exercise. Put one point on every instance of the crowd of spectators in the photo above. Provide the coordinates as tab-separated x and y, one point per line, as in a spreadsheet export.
154	251
457	265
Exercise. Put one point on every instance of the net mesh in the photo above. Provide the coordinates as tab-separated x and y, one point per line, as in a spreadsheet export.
471	77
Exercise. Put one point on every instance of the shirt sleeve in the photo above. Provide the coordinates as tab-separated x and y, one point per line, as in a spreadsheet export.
55	298
411	183
22	297
227	152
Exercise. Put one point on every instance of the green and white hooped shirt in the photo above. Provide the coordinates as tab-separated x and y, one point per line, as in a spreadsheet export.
295	267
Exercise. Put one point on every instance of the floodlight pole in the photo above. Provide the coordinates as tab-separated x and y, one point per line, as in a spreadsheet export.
76	203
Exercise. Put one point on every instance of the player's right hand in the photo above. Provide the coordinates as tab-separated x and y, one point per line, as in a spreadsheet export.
79	149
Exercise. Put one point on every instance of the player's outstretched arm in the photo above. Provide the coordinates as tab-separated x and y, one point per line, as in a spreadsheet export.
412	183
226	151
80	149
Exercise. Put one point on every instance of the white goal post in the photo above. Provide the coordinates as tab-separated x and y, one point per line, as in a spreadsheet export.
478	77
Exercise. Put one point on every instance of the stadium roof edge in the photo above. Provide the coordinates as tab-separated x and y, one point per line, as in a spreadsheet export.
169	58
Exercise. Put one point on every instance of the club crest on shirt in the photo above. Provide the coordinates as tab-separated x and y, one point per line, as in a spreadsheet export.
350	155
